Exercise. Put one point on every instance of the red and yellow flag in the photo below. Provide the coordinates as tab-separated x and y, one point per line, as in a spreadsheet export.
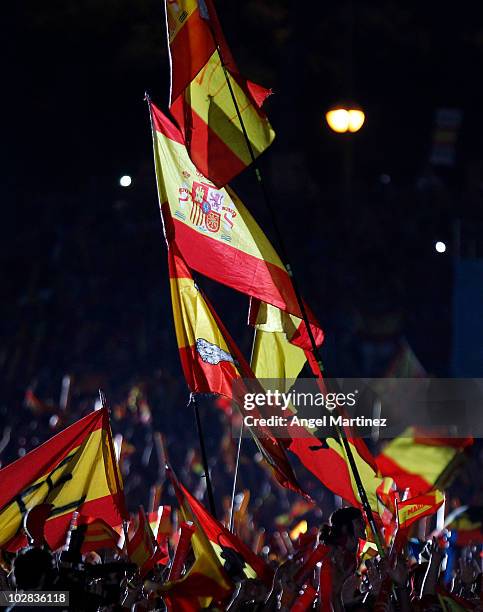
467	523
211	360
73	471
226	545
206	580
201	101
142	547
418	462
98	534
413	509
160	523
216	234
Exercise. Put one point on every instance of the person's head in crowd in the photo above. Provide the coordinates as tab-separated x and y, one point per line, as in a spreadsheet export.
33	569
345	528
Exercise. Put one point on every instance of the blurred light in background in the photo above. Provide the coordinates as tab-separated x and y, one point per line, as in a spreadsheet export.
440	247
125	180
345	119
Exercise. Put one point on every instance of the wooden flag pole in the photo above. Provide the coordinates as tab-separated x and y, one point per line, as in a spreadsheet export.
204	456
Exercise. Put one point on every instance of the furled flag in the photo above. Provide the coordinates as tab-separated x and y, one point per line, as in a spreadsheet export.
211	360
97	534
216	234
418	462
160	523
205	581
231	552
280	345
201	100
74	471
142	547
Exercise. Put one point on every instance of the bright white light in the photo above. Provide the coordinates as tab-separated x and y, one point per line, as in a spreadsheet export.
125	180
440	247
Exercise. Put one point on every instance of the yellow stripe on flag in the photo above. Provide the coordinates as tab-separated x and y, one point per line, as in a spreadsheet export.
220	113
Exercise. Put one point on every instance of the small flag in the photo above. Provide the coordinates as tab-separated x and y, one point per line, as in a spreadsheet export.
418	507
229	549
98	534
467	522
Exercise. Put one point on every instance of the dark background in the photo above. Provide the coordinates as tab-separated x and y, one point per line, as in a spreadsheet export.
76	74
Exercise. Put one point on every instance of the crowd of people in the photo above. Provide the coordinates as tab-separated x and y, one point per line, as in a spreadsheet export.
410	579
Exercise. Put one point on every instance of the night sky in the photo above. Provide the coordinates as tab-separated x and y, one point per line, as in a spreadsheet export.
74	80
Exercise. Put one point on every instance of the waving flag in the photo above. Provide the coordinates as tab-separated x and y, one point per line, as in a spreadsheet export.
225	544
98	534
467	523
211	360
74	470
215	233
206	580
328	461
418	462
201	101
416	508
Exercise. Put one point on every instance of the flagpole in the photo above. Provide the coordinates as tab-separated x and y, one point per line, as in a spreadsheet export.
235	477
361	491
120	489
204	456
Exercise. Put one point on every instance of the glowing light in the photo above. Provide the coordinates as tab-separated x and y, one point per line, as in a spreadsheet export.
440	247
125	180
298	529
345	119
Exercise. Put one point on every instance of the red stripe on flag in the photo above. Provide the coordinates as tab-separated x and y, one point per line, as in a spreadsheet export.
403	479
198	373
41	460
190	50
256	277
207	150
165	127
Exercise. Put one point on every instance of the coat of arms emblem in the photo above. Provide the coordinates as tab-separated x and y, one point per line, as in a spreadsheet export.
211	353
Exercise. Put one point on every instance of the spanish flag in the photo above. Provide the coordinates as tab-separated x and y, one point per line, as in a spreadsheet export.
206	581
467	523
283	338
229	549
419	462
142	547
201	100
97	534
216	234
212	362
74	471
328	461
160	523
413	509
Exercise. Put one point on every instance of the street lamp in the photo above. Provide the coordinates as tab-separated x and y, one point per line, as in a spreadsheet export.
345	118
